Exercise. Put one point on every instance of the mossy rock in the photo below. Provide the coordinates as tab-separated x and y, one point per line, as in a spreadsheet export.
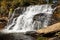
42	38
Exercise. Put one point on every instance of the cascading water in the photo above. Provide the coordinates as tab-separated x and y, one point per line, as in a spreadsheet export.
25	22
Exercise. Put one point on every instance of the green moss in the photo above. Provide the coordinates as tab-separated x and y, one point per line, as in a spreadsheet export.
42	38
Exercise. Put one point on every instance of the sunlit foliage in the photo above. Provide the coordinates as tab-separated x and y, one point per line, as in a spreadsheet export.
6	5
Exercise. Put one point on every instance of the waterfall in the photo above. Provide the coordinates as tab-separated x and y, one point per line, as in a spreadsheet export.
25	22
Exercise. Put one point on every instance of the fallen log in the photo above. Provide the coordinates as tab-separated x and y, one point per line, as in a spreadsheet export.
49	29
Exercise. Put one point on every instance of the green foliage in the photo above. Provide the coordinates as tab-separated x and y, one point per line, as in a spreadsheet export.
42	38
6	5
50	1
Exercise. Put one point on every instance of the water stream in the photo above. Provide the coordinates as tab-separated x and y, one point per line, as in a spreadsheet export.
25	21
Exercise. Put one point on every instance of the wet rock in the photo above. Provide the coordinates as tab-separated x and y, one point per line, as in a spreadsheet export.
15	36
18	11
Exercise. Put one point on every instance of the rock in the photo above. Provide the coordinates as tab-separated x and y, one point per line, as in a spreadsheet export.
18	11
50	29
3	22
54	38
56	15
15	36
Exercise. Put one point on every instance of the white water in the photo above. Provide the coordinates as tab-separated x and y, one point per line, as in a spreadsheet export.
25	22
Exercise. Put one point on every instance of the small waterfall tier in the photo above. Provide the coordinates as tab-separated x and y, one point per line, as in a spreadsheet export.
24	22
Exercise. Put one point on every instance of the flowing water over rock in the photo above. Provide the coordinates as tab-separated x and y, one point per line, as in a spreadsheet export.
17	26
24	22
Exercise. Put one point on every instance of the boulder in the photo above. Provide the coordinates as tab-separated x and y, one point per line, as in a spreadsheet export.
50	29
